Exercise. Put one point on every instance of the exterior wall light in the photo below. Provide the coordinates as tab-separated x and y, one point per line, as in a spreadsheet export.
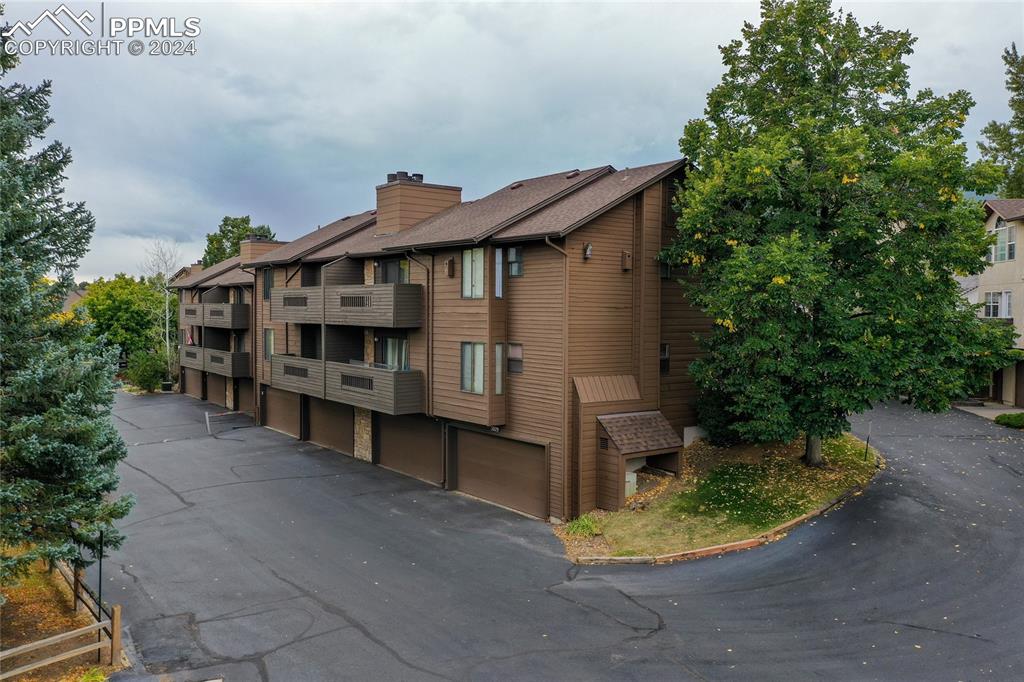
588	251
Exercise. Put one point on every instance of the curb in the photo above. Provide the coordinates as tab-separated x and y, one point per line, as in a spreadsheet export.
776	533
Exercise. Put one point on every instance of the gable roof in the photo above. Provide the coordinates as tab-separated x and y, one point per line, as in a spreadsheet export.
586	203
316	239
205	274
635	432
232	278
1008	209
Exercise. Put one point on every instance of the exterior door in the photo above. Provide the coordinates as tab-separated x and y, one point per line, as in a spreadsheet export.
509	472
1019	386
997	385
216	389
193	382
412	445
331	425
281	411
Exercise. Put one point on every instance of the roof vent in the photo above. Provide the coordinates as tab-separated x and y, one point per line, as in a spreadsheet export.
392	177
402	175
417	177
515	185
572	174
373	212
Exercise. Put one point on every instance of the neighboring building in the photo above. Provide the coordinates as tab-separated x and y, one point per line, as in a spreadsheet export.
1000	289
526	348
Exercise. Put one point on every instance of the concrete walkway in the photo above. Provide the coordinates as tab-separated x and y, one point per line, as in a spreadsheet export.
989	410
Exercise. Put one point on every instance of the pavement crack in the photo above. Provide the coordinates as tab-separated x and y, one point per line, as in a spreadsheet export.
163	485
1003	465
641	630
260	480
937	630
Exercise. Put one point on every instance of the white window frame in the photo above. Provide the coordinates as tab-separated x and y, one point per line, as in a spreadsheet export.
499	274
1005	247
998	305
268	343
473	364
499	368
515	261
473	273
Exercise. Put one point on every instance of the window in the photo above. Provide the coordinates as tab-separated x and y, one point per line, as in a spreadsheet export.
268	343
667	271
239	343
473	367
515	261
499	368
999	304
393	271
515	358
268	282
664	359
1005	247
473	273
499	269
393	351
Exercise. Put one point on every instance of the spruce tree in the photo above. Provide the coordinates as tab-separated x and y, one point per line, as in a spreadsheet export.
58	447
1004	142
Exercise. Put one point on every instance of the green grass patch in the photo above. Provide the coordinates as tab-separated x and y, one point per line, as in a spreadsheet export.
1014	420
582	527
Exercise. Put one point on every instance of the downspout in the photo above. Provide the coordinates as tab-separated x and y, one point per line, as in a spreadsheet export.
559	249
568	449
429	324
323	318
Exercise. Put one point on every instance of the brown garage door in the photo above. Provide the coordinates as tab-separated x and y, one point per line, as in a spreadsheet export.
331	425
411	444
509	472
244	401
193	382
216	389
282	410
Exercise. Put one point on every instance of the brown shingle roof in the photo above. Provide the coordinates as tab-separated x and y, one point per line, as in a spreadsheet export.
232	278
316	239
206	273
603	389
586	203
362	242
635	432
1008	209
472	221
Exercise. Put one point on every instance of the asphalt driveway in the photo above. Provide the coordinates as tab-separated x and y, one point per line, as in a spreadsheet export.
252	556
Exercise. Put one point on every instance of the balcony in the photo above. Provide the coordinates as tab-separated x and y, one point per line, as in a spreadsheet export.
226	315
191	356
190	314
297	304
226	363
296	374
375	305
375	387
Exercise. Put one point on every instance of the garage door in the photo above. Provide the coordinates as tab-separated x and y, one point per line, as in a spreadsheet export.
193	382
509	472
216	389
245	399
282	410
331	425
411	444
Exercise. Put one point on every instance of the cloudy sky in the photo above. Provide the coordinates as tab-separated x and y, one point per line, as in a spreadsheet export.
293	112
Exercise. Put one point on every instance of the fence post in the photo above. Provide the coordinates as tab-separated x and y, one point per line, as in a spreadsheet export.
115	634
78	580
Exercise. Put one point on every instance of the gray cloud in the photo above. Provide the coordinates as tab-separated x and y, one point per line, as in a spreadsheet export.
293	112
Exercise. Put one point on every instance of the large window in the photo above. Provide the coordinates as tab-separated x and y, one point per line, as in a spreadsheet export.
1005	247
268	282
473	367
515	358
473	273
499	368
998	304
393	271
393	351
515	261
499	273
268	343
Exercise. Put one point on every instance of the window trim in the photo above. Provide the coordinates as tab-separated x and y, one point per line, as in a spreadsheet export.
499	368
268	282
476	289
1005	247
477	367
999	302
268	343
515	365
515	261
499	272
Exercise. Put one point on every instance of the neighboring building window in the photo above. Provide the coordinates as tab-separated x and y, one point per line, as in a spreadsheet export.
473	367
664	358
999	304
499	270
515	358
268	343
393	351
1005	247
473	273
515	261
393	271
499	368
268	282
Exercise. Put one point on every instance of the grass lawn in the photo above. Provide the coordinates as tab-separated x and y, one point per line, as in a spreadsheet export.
723	495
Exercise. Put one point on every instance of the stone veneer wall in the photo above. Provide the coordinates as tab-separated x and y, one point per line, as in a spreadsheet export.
363	417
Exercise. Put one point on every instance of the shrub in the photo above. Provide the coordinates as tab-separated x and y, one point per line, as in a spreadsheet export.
714	417
146	370
582	527
1014	420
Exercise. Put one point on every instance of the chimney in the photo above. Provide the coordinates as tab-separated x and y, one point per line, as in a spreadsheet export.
254	246
405	200
195	267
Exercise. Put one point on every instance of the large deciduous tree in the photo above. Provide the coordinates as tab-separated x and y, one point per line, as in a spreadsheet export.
58	448
226	241
126	311
822	227
1004	142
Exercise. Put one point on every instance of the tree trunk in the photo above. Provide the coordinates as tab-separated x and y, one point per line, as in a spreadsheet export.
812	451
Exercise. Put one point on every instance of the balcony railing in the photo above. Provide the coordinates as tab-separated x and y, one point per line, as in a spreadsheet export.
226	315
296	374
226	363
375	387
375	305
297	304
191	356
191	314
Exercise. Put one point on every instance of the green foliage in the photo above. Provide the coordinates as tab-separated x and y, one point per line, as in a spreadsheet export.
93	675
58	447
127	311
1004	142
146	370
740	492
224	243
1014	420
582	527
823	225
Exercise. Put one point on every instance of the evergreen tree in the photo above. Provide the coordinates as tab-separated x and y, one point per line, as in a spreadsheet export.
1005	141
58	447
226	241
823	226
